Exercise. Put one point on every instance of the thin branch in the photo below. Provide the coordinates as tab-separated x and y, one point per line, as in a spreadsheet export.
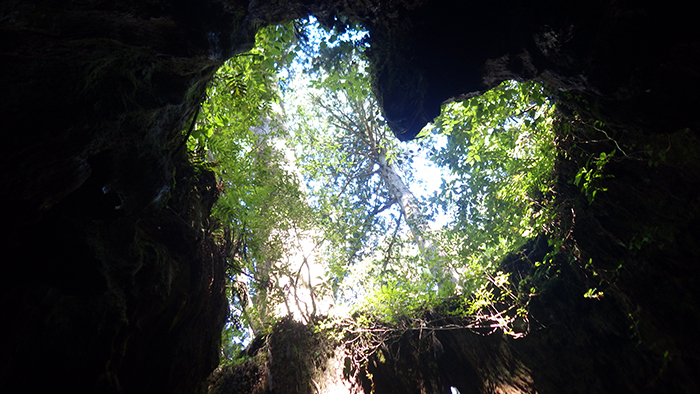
351	178
393	240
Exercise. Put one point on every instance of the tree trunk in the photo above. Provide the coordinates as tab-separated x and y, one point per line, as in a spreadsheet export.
415	219
408	204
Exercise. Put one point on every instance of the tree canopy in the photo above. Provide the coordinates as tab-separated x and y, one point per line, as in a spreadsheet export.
311	176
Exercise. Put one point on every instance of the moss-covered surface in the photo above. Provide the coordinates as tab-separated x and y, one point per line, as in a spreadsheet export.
293	358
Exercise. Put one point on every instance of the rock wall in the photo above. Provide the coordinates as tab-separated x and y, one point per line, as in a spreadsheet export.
112	282
636	60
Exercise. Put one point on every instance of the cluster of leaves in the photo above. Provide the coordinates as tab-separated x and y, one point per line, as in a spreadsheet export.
589	177
261	206
500	151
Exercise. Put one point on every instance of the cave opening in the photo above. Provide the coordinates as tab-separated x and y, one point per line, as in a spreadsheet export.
298	256
101	109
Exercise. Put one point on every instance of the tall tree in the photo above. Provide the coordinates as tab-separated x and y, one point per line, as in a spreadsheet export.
358	172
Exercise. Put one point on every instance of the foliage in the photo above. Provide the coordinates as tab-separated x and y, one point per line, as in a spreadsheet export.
589	176
261	206
242	92
357	176
501	156
337	195
500	151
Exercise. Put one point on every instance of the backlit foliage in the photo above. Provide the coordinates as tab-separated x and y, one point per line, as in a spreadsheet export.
500	152
496	151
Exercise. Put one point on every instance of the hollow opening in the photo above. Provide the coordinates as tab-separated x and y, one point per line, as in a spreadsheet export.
330	214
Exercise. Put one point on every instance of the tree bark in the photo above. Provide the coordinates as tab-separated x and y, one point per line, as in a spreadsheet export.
408	204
